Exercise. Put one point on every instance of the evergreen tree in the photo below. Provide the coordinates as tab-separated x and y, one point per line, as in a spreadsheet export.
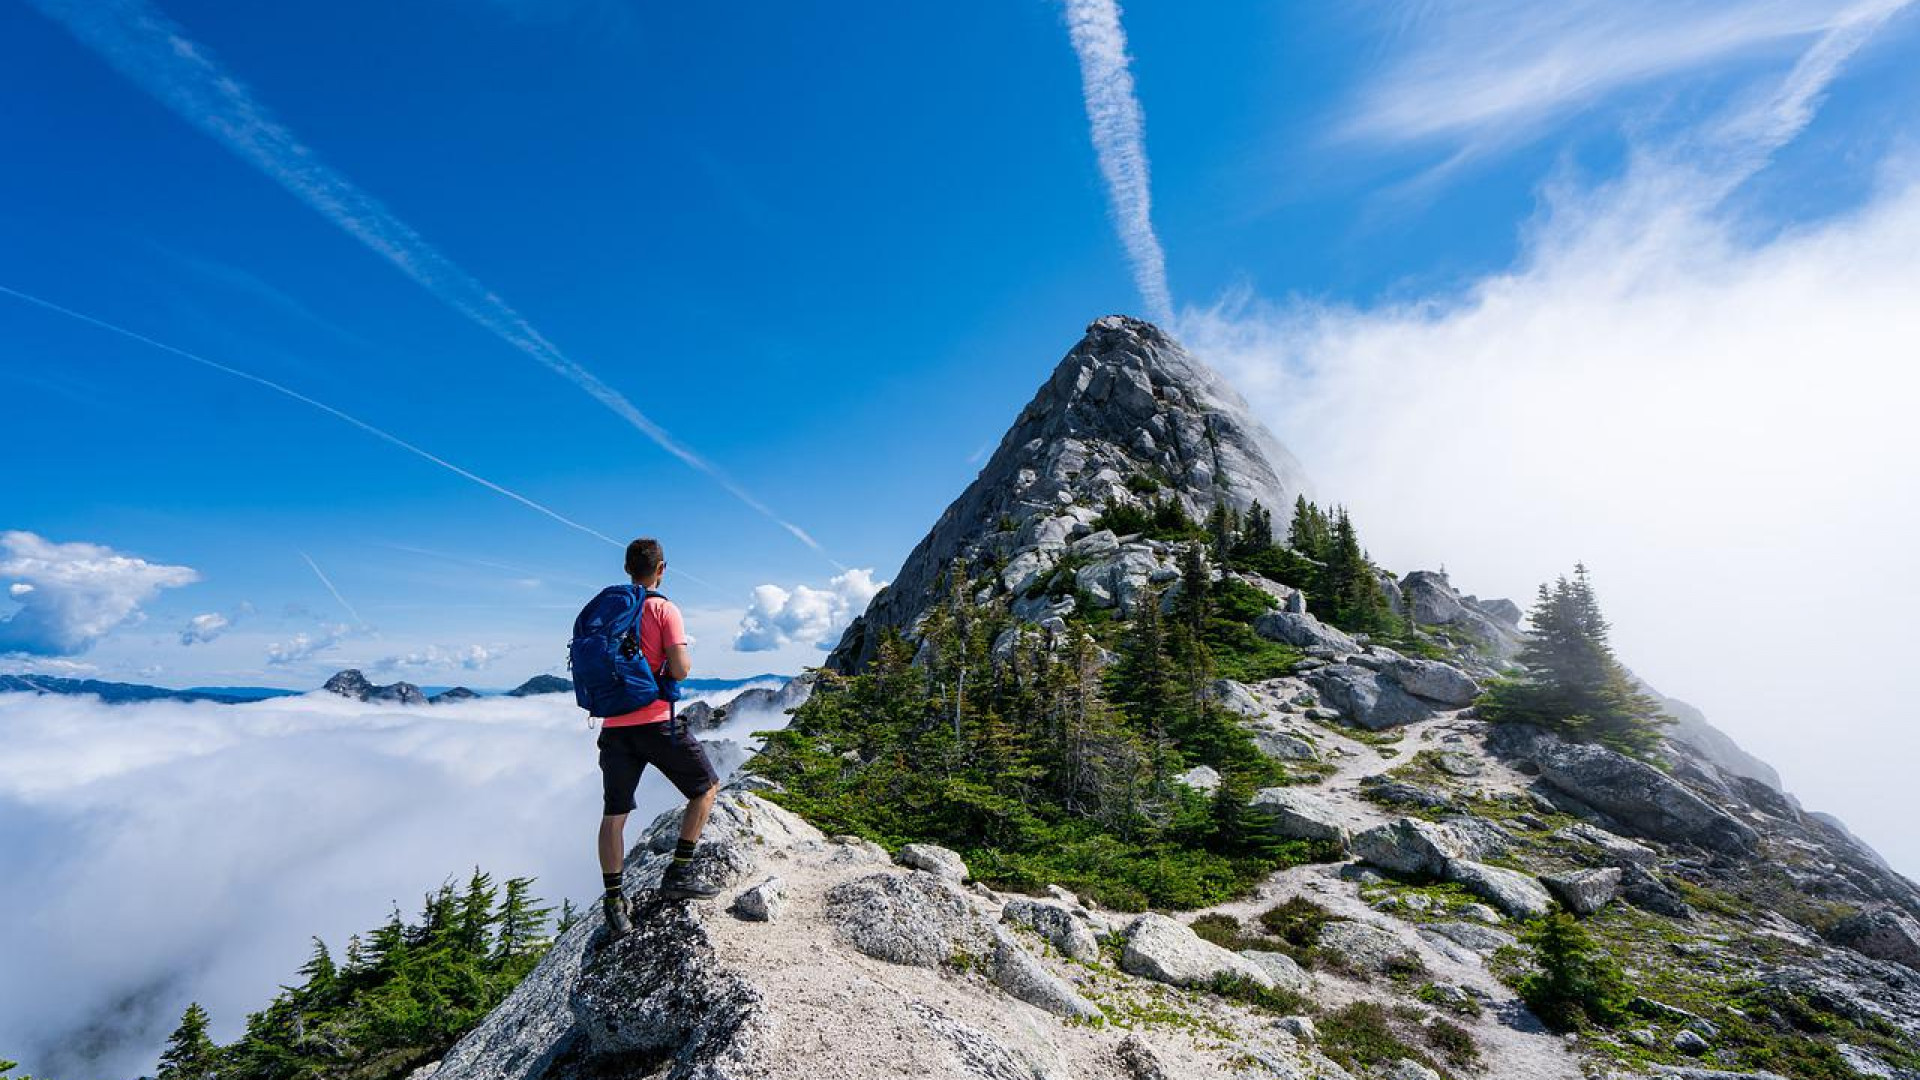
1309	532
474	919
1573	683
190	1053
521	921
1223	526
322	984
1574	981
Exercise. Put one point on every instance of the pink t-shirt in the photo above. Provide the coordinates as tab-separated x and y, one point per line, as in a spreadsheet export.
660	626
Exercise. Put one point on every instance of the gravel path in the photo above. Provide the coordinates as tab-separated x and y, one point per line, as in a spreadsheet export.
1512	1042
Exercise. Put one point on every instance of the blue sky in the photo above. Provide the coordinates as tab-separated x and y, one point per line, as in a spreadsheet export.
831	254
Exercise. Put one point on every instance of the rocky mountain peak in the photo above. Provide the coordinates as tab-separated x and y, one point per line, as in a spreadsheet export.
351	683
1127	417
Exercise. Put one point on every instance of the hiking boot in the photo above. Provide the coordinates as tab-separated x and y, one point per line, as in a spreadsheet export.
619	924
678	883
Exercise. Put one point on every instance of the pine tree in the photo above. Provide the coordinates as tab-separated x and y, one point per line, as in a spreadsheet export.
190	1053
1308	533
1573	683
1223	525
322	979
1574	981
521	920
474	919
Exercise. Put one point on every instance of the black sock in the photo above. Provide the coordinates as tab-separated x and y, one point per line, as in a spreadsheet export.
612	882
683	851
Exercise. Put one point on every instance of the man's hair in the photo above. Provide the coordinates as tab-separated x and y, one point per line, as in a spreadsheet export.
644	557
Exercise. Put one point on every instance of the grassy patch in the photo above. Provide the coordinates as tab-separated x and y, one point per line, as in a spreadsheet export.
1367	1036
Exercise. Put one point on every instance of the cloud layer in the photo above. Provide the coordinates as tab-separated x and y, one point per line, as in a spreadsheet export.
1119	129
1714	415
261	825
803	614
70	595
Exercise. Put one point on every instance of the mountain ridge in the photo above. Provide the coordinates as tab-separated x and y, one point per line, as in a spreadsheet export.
1429	845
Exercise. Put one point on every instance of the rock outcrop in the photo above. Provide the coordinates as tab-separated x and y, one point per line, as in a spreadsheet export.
1440	840
1126	405
352	684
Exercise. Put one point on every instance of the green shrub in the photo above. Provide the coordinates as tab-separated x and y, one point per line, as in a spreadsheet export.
1574	981
1297	921
1273	999
1365	1037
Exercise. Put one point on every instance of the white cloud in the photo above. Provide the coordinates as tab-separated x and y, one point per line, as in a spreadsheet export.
1713	422
304	646
804	615
261	825
1120	142
71	595
202	629
1491	71
433	657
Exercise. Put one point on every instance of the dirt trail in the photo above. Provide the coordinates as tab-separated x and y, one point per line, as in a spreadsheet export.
1512	1041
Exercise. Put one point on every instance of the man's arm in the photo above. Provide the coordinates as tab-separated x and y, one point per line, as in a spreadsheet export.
673	635
678	662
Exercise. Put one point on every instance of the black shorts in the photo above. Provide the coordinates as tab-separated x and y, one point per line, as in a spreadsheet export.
626	751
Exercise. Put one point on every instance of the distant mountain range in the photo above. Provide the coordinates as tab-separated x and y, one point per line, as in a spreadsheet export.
349	683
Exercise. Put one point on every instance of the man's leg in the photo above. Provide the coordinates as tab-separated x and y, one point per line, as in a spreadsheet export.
613	842
696	817
620	769
683	760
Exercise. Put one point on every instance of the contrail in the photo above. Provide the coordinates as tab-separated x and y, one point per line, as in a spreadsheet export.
1120	142
153	51
328	582
304	399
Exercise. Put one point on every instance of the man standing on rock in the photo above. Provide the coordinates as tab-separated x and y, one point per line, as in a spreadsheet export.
653	735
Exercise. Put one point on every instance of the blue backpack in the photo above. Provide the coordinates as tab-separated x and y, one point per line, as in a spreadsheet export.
611	676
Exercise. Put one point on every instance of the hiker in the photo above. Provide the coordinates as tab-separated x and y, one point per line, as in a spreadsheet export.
629	653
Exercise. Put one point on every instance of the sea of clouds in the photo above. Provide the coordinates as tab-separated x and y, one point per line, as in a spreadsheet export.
167	852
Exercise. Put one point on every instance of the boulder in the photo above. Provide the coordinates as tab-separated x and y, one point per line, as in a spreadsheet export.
1641	797
1301	630
1640	888
1409	846
935	860
1095	545
1366	949
1281	968
1168	951
1483	839
760	903
1139	1060
1883	935
1023	977
1513	892
1283	747
1027	569
1367	698
1297	815
1387	791
1584	891
1483	940
1236	698
1200	778
1434	681
659	992
1056	924
1616	849
1408	1069
920	920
